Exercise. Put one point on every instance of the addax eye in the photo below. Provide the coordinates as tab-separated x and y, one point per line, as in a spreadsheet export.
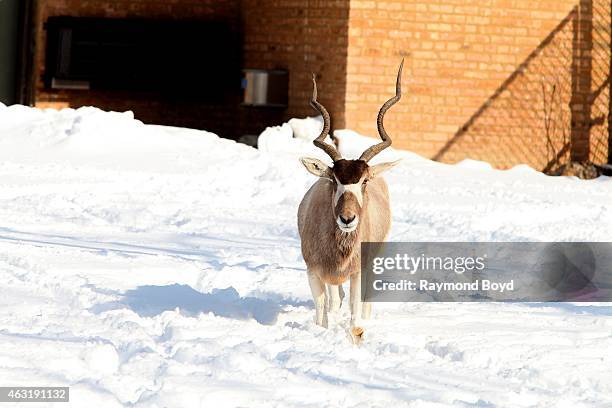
365	182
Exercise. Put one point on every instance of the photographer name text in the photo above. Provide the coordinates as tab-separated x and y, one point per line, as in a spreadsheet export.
424	285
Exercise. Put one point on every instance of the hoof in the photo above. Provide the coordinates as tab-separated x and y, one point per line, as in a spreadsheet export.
357	334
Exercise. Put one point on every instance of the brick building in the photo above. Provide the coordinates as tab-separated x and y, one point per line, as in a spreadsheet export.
506	81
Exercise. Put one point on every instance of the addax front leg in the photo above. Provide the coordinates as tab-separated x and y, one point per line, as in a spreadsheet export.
317	287
367	310
355	298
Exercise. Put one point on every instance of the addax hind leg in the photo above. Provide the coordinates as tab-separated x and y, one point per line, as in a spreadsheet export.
317	287
336	295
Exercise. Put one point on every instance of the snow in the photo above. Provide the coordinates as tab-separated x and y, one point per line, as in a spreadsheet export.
152	266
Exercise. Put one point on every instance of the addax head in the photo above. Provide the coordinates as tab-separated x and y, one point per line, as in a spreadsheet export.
350	177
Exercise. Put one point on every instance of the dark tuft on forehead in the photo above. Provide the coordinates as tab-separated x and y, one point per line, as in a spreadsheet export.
349	171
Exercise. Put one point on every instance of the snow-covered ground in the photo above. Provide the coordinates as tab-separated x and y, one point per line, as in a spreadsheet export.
160	267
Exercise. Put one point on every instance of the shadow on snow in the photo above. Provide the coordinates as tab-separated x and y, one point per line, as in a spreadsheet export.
150	300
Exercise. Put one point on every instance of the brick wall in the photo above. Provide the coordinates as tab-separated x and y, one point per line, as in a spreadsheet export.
598	101
506	81
302	36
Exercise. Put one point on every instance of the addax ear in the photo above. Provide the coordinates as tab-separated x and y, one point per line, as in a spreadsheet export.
378	169
316	167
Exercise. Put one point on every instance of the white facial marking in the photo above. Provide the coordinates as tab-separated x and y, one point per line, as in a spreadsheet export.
353	188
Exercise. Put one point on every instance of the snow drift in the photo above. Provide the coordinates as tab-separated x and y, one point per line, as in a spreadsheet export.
153	266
